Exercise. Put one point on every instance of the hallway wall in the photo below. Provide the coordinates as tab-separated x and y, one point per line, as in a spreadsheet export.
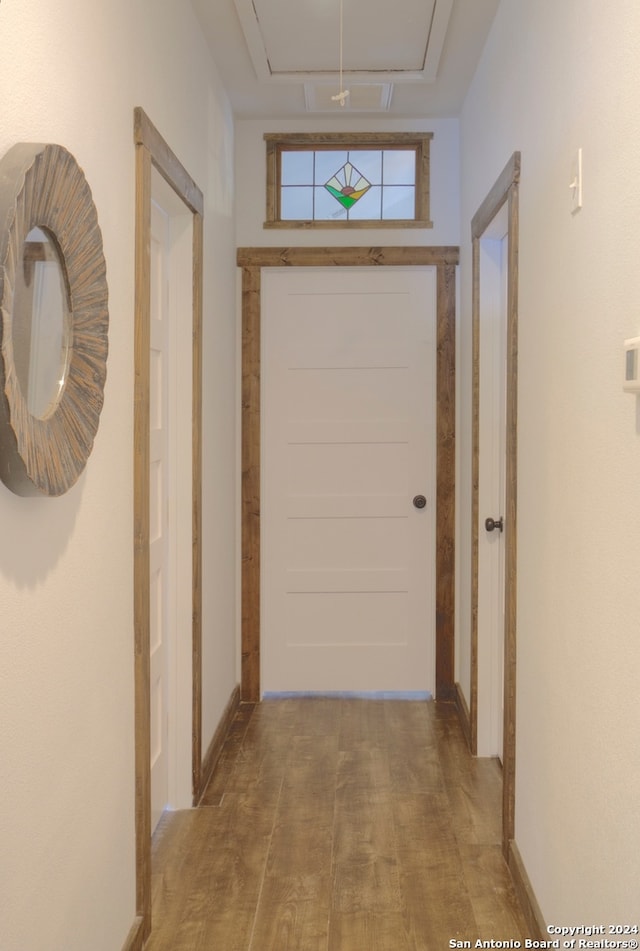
71	73
555	77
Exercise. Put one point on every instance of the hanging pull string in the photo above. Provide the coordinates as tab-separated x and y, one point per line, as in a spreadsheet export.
343	95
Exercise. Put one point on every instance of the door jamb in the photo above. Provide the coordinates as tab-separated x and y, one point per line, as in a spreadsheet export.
505	190
152	150
252	260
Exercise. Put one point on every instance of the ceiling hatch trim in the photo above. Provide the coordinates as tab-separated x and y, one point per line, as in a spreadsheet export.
261	34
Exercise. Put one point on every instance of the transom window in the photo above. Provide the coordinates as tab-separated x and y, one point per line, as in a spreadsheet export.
333	180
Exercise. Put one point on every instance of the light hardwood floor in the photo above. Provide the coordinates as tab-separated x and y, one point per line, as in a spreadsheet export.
337	825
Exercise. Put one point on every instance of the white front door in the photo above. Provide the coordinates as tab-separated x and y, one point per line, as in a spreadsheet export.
348	409
491	489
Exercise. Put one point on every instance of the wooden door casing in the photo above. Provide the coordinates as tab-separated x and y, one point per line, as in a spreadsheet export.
153	152
252	260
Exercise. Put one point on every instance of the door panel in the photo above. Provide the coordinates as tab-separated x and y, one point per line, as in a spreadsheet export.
158	514
348	439
492	459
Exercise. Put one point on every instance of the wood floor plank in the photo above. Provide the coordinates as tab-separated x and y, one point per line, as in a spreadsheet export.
214	792
357	931
415	771
476	803
316	716
220	865
176	848
292	911
337	825
227	885
437	907
371	886
258	769
300	847
168	846
424	834
292	914
362	725
272	725
408	719
313	762
492	893
362	772
365	873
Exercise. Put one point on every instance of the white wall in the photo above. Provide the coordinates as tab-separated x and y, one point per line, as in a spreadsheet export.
556	76
251	180
71	73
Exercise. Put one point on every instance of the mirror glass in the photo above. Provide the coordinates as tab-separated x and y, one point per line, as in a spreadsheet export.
41	324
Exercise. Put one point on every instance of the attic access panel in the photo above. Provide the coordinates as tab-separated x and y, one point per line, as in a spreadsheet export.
290	40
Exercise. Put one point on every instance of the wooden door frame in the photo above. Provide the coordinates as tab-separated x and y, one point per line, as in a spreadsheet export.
252	260
505	191
153	151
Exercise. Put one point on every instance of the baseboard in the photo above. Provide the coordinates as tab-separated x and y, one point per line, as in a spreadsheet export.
135	938
526	895
215	747
463	714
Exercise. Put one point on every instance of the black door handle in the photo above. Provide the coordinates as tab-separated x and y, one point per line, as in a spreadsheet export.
419	501
491	524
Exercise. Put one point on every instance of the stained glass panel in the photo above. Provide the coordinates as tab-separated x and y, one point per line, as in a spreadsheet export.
327	208
369	207
348	185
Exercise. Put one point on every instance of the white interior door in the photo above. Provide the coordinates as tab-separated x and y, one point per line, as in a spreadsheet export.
171	501
348	410
159	512
492	459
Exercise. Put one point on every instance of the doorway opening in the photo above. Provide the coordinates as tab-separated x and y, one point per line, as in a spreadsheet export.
500	235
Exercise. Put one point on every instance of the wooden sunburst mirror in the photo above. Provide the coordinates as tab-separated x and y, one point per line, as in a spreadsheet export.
54	320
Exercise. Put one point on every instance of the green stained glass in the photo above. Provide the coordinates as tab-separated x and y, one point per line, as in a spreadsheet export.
348	185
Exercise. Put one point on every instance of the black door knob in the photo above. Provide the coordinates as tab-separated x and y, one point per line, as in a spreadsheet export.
491	524
419	501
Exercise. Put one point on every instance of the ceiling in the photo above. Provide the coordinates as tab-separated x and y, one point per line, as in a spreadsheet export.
401	58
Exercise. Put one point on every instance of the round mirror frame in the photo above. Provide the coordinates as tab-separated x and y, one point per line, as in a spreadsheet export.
43	186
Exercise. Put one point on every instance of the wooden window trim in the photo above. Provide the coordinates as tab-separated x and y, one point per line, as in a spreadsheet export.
277	142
